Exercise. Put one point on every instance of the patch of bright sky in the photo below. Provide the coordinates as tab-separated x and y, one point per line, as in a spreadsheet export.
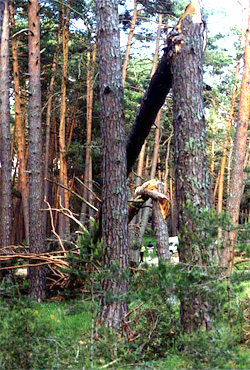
224	15
221	16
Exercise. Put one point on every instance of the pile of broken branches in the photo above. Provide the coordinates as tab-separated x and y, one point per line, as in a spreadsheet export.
18	257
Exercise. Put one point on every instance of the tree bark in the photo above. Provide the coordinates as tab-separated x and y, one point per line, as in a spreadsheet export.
20	132
130	38
154	190
225	149
173	205
114	209
191	171
212	155
48	127
36	274
161	229
153	100
145	215
64	225
238	158
2	6
6	196
146	212
88	158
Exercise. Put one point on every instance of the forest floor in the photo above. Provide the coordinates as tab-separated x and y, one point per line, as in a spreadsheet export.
60	333
154	260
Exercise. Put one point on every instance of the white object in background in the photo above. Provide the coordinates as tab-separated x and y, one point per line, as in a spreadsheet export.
173	244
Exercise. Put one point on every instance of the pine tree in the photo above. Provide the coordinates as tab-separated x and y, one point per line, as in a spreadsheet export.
191	173
36	274
114	194
5	158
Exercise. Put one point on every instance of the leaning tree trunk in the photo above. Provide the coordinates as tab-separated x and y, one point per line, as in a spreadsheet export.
190	163
114	209
6	197
36	274
239	153
153	100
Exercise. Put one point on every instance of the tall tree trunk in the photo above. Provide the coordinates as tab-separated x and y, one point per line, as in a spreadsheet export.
20	132
88	158
212	151
172	205
2	6
147	209
138	182
48	126
114	209
6	197
64	225
161	229
191	171
134	229
36	274
239	153
130	37
140	167
225	149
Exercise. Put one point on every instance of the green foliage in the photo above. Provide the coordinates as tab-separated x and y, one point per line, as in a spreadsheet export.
57	335
44	336
83	270
155	337
214	350
243	241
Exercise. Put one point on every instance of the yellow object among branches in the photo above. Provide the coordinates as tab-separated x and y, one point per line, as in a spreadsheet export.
154	189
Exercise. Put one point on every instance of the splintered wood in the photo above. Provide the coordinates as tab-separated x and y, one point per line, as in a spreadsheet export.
154	189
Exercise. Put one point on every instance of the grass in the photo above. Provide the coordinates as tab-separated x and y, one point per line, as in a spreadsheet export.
70	318
56	335
44	336
149	239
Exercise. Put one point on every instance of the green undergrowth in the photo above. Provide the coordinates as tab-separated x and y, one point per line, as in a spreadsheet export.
57	334
149	239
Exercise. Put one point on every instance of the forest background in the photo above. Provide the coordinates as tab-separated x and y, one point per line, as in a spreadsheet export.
52	130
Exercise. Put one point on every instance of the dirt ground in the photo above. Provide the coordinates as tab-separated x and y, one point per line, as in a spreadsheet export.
154	260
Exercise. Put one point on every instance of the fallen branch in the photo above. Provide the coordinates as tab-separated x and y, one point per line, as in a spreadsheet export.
53	226
73	192
91	191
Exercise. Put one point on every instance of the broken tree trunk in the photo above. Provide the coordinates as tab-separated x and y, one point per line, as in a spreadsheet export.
153	100
154	190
